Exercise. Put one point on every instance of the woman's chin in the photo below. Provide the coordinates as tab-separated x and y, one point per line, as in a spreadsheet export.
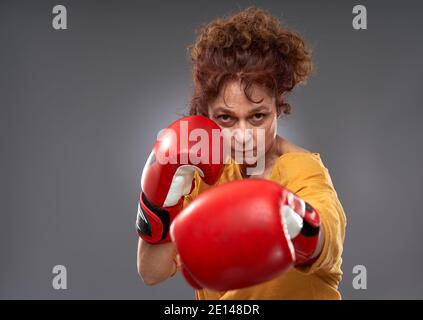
246	158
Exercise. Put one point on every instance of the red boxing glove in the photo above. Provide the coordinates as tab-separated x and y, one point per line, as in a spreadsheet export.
243	233
193	143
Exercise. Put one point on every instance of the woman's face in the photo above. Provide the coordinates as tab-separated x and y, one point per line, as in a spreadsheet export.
252	126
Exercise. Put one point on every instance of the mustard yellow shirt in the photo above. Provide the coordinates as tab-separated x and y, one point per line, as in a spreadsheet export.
304	174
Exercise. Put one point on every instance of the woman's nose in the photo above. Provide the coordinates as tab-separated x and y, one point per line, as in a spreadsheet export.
243	134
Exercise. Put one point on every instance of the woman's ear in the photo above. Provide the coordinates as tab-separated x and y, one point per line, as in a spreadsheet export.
284	109
279	109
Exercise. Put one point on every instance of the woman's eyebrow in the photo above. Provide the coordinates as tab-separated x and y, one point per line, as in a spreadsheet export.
222	109
259	109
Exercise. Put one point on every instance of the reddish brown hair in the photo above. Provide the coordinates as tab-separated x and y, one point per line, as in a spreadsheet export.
251	46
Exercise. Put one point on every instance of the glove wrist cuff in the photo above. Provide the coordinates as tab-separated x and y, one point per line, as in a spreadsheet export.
153	222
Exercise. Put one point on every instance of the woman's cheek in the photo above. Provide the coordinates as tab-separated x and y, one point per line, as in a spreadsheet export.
270	135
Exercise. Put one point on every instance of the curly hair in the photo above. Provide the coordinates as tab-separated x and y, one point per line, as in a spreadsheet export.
251	46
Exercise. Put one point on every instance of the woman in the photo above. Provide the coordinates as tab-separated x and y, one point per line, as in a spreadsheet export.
243	68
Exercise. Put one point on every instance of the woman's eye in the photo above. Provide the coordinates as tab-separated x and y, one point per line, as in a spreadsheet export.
258	116
224	118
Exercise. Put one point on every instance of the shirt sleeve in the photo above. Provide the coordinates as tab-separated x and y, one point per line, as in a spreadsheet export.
310	180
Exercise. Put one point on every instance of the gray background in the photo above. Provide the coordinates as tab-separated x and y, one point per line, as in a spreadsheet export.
80	108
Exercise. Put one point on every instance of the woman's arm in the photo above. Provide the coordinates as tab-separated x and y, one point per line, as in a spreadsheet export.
156	263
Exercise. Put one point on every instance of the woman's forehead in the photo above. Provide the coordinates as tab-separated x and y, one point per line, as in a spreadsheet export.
232	96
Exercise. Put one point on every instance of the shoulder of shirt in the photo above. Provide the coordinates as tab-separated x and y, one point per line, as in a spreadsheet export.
295	157
300	165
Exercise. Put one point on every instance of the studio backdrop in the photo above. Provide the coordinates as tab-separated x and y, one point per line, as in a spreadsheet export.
81	106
